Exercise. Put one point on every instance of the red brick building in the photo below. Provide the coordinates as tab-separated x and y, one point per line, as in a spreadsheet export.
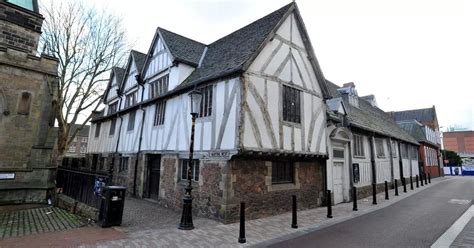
459	141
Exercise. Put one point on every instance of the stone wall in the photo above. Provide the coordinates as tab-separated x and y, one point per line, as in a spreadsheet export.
25	135
251	183
19	28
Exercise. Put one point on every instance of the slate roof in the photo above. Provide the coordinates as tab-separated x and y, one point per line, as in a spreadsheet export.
182	49
119	73
422	115
371	118
415	129
139	59
229	54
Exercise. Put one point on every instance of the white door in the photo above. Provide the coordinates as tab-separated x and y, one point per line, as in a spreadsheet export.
337	170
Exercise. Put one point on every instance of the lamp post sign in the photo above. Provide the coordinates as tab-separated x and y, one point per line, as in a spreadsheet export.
187	214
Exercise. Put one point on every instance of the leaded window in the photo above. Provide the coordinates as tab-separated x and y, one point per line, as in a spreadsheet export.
159	86
112	108
160	108
194	169
359	146
291	104
97	129
206	102
131	99
113	123
131	121
283	172
379	148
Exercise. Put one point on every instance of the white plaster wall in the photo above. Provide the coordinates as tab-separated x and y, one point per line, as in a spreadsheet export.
280	63
174	134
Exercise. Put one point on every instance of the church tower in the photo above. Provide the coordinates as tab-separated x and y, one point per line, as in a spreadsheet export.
28	91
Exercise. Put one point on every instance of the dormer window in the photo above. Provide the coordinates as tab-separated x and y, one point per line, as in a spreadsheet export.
112	108
159	86
131	99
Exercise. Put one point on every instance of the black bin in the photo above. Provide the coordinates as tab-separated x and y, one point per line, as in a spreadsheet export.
111	207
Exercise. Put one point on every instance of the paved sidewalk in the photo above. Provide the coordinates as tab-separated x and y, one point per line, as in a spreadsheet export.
14	223
260	232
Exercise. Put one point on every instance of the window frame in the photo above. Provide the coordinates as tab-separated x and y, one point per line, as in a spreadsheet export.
112	108
131	98
380	148
194	172
283	172
124	164
291	104
160	112
97	129
205	109
159	86
131	121
113	124
359	148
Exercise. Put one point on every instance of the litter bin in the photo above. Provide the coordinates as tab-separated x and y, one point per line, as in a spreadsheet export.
111	207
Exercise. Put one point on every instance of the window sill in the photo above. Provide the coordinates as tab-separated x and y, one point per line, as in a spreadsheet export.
283	186
292	124
194	184
361	157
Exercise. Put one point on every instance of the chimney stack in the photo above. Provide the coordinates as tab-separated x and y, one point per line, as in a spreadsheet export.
350	84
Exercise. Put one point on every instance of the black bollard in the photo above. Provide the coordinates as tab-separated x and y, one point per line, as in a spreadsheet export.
421	179
417	183
328	200
404	185
396	187
294	221
374	194
426	179
386	190
354	199
429	178
411	182
242	223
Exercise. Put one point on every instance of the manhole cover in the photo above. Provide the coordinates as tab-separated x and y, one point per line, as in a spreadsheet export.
459	201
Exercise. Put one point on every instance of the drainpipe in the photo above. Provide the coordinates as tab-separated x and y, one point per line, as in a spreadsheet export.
372	159
400	160
390	152
111	171
141	83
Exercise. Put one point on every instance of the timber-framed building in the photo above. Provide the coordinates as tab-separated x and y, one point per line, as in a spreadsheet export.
260	134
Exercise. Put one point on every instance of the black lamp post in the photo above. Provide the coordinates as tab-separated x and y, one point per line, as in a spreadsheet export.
187	215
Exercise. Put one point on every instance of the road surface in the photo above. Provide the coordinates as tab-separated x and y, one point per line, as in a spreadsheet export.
416	221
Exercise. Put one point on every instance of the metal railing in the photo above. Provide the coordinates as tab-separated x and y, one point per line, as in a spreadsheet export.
83	186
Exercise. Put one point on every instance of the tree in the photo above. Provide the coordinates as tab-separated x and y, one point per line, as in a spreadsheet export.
88	44
453	157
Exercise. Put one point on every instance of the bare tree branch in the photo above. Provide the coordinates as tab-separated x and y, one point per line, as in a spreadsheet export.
88	43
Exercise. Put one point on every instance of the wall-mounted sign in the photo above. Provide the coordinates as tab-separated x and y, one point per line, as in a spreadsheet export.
7	175
356	172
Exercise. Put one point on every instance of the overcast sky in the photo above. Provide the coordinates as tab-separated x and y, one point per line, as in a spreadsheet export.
409	53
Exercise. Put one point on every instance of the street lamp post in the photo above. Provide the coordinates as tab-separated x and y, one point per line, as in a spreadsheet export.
187	215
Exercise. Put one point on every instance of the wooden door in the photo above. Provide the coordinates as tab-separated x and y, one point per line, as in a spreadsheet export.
337	172
154	166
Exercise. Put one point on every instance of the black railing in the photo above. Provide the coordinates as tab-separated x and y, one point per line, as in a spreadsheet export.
81	185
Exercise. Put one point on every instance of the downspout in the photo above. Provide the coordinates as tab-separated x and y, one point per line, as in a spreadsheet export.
118	138
372	158
349	151
142	84
400	160
390	152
